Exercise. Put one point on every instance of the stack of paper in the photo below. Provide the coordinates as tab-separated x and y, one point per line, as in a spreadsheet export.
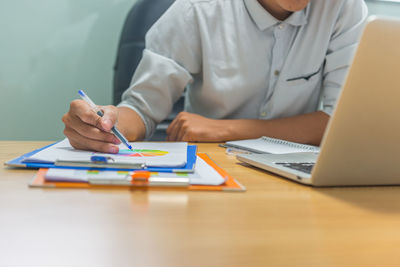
148	164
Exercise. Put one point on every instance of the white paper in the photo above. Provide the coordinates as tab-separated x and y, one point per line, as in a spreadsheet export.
271	145
160	154
204	174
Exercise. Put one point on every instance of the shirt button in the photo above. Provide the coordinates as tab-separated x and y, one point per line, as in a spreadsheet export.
277	72
281	26
263	114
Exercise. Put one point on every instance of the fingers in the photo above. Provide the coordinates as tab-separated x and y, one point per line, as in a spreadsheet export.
80	109
191	127
171	134
84	112
183	131
87	130
109	118
80	142
174	128
186	138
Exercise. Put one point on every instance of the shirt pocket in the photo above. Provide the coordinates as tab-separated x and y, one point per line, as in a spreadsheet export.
309	77
297	96
303	82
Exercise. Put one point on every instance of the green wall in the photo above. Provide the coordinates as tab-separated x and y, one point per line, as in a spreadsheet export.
50	49
387	8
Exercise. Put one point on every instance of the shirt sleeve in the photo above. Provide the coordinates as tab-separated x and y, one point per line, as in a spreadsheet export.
342	47
171	56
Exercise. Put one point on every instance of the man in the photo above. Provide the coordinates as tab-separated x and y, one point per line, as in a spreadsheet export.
251	68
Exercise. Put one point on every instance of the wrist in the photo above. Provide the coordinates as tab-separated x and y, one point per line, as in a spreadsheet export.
131	124
227	130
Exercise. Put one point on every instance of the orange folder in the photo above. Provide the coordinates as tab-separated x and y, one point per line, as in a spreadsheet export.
230	183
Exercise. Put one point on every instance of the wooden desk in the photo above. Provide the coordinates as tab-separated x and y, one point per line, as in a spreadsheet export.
275	223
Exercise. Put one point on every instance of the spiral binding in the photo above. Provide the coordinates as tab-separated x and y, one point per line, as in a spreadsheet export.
290	144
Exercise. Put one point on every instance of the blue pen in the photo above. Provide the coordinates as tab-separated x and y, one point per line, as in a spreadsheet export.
114	129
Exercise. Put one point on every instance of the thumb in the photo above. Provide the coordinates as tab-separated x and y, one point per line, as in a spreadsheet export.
109	118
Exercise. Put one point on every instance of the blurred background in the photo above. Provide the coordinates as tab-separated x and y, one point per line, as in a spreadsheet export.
50	49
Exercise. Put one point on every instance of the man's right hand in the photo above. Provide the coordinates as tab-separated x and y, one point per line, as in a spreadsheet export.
88	131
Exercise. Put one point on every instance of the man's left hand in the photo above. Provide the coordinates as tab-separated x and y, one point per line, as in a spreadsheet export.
191	127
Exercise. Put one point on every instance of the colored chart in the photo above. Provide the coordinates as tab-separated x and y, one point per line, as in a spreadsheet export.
142	153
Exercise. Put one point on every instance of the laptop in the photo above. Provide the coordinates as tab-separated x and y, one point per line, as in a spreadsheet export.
361	145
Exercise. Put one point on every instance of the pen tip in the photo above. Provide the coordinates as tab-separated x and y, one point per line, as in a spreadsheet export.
130	147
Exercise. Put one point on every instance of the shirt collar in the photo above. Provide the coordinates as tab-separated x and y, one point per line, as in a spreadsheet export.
263	19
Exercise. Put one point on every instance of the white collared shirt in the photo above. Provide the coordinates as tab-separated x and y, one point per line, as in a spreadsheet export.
239	62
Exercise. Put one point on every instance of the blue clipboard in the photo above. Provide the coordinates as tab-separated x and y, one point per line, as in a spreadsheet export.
19	163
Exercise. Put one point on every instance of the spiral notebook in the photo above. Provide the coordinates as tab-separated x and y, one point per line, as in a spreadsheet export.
271	145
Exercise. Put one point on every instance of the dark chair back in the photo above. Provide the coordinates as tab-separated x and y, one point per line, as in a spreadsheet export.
131	45
132	41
